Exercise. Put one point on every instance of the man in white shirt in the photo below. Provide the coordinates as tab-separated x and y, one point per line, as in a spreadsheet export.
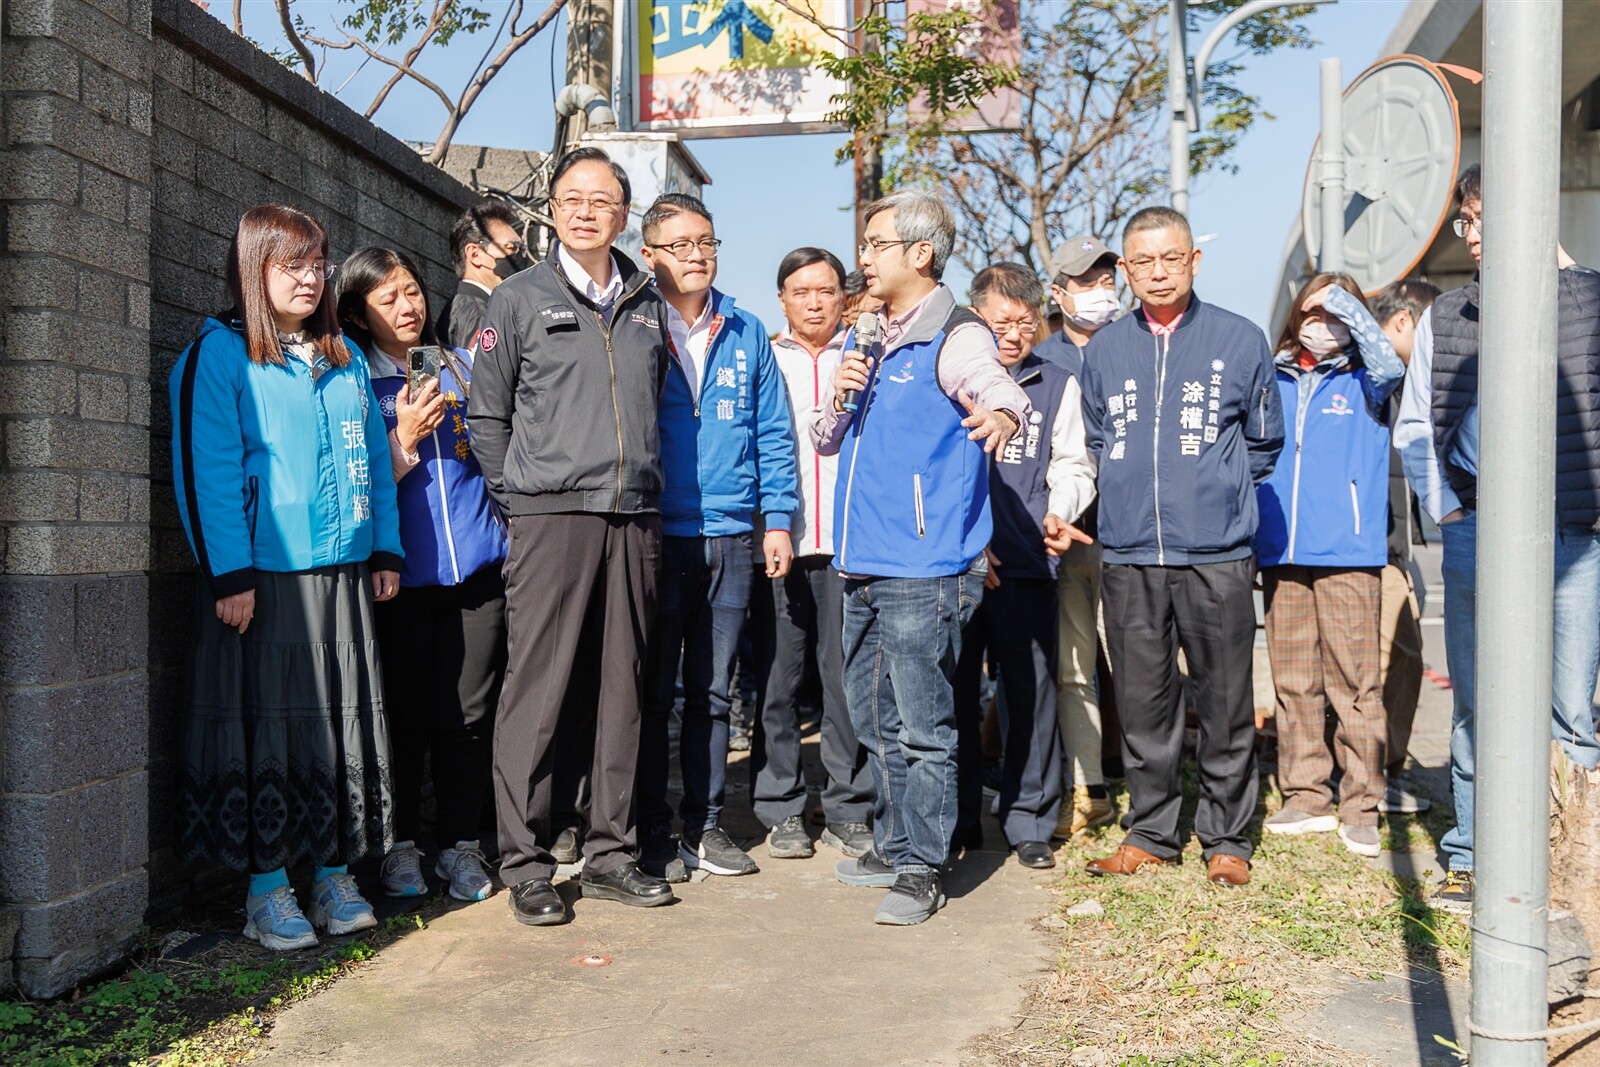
805	609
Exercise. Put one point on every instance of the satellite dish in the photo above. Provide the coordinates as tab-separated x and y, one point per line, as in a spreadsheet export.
1402	145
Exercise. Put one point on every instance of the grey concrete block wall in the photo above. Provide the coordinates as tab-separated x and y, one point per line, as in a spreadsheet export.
136	133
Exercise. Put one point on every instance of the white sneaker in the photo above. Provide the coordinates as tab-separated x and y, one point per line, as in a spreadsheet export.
1362	840
401	873
1295	821
463	868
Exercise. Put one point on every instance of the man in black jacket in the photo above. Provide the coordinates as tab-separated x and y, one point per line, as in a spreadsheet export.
486	250
572	358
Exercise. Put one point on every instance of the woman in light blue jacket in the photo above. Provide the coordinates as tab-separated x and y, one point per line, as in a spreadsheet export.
1322	544
281	469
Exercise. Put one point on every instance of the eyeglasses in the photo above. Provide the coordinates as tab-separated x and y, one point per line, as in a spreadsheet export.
1144	265
1461	226
1022	326
876	246
510	248
299	268
600	205
707	245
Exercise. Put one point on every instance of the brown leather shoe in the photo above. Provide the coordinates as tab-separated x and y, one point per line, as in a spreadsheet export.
1126	860
1228	870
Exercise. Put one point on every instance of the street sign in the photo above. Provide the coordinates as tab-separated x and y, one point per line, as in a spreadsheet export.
717	68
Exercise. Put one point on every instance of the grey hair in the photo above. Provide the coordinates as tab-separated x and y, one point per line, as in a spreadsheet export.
920	215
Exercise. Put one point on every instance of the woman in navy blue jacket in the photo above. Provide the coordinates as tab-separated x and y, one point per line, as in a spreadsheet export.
1322	544
444	638
274	432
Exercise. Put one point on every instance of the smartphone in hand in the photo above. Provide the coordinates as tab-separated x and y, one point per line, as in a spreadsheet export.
422	364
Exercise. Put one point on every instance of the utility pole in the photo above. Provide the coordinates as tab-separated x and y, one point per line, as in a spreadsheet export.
1331	250
1178	101
1516	523
869	156
591	24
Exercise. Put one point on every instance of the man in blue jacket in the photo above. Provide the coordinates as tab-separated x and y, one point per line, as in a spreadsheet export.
1183	420
727	453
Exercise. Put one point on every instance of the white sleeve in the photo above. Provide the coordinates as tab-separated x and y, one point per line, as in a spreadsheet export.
1071	471
1413	428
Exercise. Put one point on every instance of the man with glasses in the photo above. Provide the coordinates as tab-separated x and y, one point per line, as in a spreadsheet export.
1083	284
1437	437
1183	420
563	416
727	454
486	250
913	420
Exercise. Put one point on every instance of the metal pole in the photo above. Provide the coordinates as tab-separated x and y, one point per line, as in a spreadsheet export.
1331	250
1516	522
1178	101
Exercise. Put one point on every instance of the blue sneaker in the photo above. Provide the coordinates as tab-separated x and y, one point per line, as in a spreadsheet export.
274	919
337	905
401	873
463	868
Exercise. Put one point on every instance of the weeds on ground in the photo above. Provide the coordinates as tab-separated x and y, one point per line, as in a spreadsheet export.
208	1010
1176	972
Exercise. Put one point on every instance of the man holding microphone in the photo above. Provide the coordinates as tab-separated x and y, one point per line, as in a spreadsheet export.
913	419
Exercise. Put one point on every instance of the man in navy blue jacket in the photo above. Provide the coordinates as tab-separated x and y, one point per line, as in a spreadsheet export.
1183	419
727	457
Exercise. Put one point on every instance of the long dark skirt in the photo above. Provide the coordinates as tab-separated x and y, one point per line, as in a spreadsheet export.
285	742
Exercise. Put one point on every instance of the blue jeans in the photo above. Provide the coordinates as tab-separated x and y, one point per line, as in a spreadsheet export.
702	598
902	637
1576	660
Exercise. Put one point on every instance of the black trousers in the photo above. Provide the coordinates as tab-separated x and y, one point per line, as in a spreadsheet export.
1020	615
1208	611
444	656
967	687
789	616
580	606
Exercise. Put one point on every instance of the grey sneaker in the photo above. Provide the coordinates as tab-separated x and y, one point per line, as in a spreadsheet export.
914	898
715	853
1295	821
401	873
462	868
1400	798
867	870
851	838
565	849
789	840
1362	840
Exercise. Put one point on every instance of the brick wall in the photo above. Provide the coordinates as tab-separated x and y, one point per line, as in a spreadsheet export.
135	137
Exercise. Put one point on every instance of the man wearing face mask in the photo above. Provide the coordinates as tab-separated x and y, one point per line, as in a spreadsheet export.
486	250
1083	274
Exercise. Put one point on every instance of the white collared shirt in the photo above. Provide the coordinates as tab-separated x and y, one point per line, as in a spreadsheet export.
691	341
603	296
809	379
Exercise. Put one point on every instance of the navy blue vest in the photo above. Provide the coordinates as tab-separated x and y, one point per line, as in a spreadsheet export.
912	499
1019	493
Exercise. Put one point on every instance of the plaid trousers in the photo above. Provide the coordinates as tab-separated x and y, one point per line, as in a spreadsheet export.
1322	637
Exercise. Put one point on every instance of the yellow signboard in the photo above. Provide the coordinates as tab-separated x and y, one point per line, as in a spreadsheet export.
714	68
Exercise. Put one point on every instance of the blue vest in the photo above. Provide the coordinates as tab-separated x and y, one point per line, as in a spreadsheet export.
912	499
1019	491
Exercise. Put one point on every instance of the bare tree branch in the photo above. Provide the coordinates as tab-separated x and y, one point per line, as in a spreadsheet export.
309	68
440	7
403	68
470	94
238	17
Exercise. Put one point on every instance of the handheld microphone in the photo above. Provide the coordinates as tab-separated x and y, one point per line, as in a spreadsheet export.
866	333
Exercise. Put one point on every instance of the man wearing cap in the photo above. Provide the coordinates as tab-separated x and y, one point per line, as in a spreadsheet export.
1083	283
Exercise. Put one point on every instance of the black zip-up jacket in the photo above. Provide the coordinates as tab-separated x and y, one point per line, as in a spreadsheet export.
563	413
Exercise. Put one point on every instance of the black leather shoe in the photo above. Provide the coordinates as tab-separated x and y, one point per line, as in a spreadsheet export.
1035	854
537	903
627	885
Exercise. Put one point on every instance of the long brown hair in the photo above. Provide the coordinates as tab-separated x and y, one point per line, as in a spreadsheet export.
1289	340
269	234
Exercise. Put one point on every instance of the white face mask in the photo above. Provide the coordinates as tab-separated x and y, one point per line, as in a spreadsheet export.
1093	309
1323	339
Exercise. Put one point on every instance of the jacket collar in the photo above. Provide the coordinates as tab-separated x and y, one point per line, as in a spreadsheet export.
1190	314
1028	369
633	279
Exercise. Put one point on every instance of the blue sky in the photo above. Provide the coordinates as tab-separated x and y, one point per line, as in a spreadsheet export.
771	194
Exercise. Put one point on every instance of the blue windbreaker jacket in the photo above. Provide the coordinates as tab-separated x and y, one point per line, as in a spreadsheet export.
1327	503
730	454
449	526
1182	429
278	468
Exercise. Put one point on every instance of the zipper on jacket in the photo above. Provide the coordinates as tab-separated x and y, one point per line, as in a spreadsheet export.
855	453
1302	404
444	506
1162	344
916	488
816	457
1355	506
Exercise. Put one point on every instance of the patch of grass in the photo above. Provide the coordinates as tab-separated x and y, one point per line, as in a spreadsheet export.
210	1010
1181	973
